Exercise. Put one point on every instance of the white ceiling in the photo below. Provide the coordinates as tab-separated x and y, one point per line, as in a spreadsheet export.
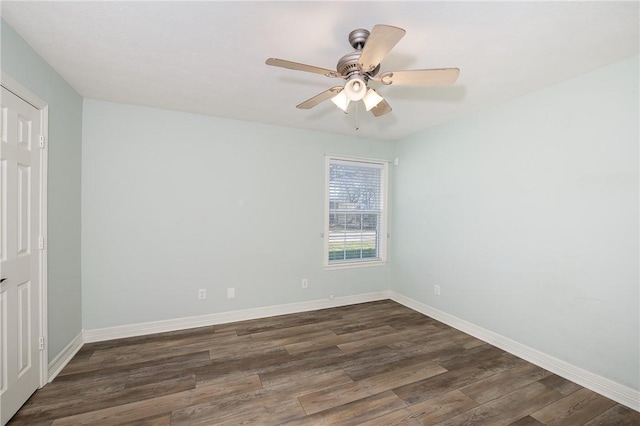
208	57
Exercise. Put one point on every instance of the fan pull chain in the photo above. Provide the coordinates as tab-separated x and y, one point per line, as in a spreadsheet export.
357	125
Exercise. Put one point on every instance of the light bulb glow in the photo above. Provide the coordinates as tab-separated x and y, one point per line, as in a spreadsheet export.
371	99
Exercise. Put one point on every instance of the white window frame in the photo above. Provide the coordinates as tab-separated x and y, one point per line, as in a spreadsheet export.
382	230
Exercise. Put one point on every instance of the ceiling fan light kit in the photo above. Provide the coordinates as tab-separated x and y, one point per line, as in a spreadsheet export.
362	65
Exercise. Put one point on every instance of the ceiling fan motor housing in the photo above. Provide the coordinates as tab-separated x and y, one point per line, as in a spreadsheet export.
348	65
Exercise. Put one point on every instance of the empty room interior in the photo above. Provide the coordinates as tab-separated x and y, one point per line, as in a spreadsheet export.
202	223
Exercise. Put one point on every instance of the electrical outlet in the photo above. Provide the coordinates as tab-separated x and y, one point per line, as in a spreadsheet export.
436	290
305	283
331	295
202	294
231	293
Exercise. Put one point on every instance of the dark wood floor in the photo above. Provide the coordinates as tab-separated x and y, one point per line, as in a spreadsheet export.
375	363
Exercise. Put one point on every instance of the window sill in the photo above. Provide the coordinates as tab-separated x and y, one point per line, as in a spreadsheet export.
351	265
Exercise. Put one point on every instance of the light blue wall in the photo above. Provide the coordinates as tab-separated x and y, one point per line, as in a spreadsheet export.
24	65
526	214
175	202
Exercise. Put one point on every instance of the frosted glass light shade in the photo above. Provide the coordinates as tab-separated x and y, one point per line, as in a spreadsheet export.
341	101
355	88
371	99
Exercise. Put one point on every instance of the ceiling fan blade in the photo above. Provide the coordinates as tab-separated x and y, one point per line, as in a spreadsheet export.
432	77
380	42
381	109
327	94
301	67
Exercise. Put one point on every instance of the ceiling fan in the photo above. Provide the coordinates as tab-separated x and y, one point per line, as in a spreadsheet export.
362	66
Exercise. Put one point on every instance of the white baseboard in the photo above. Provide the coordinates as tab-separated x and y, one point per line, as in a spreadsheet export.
141	329
608	388
63	358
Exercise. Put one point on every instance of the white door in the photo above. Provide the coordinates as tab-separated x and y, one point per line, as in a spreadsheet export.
20	322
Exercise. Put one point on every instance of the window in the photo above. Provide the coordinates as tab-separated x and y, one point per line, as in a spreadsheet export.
355	221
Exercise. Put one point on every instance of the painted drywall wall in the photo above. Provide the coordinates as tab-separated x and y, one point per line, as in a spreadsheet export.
526	216
176	202
24	65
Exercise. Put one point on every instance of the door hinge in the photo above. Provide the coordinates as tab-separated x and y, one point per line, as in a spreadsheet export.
41	243
42	343
41	141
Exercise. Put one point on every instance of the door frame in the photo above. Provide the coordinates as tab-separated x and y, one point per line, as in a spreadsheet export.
28	96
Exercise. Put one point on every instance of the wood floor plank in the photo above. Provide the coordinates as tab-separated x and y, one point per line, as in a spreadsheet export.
354	413
336	340
326	341
234	384
526	421
242	349
329	398
21	421
500	384
177	346
249	360
427	412
377	363
309	384
258	410
473	355
508	408
435	338
156	374
106	368
297	367
80	403
574	409
89	387
618	415
281	400
560	384
279	322
308	377
372	366
131	412
374	342
280	367
152	407
294	331
128	395
420	390
160	420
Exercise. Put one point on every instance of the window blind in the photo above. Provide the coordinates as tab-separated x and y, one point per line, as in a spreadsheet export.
356	208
